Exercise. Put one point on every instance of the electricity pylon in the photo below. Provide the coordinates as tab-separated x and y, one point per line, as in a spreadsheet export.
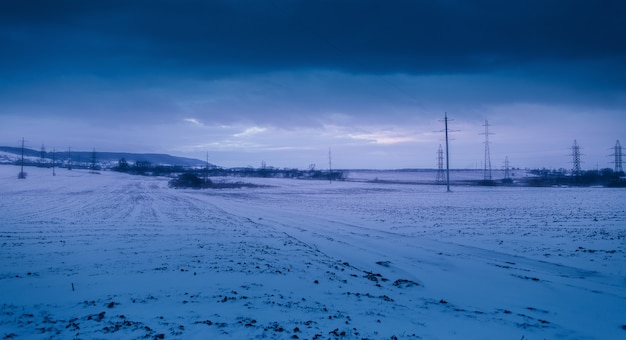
440	173
617	153
576	159
507	171
487	165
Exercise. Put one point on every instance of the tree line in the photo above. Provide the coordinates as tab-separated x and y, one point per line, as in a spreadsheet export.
148	169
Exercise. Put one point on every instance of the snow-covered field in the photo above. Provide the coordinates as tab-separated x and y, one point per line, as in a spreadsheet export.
119	256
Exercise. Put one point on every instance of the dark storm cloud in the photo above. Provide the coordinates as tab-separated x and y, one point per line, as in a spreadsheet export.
217	38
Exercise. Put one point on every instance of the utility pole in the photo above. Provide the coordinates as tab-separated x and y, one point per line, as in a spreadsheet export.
22	174
93	161
69	158
330	167
54	160
206	170
447	154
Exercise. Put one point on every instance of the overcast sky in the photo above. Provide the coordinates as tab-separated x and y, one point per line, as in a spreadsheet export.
284	81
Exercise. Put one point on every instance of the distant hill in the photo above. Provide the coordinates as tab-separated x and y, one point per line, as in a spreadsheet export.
101	157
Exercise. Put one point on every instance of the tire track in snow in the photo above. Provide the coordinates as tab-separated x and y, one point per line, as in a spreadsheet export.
139	254
430	260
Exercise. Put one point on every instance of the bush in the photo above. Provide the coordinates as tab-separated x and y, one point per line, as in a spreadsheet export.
189	181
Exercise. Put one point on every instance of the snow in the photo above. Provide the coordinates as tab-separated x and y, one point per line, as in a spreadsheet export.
114	255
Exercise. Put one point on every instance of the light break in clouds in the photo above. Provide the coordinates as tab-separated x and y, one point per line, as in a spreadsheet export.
281	82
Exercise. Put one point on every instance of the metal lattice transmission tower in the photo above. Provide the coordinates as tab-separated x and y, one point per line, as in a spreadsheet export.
576	158
440	172
617	153
487	167
507	168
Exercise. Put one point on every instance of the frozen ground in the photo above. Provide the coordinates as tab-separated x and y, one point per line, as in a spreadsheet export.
119	256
